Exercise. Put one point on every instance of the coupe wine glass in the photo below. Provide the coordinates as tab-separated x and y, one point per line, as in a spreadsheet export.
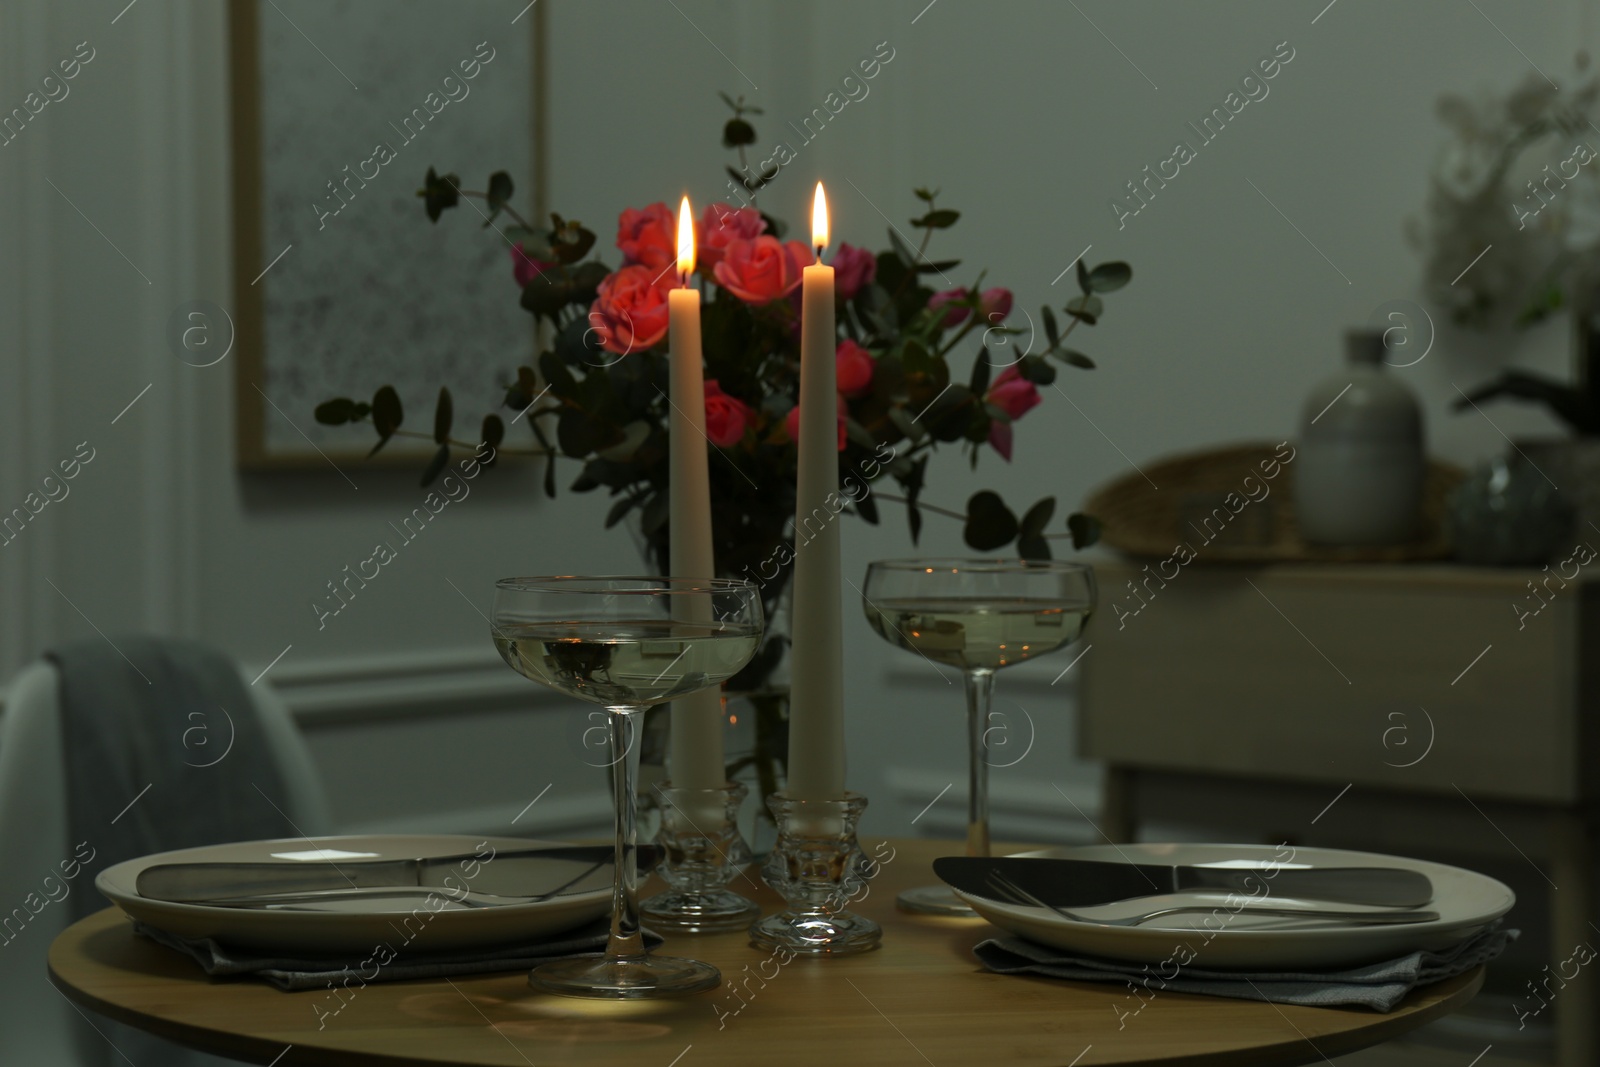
625	643
978	615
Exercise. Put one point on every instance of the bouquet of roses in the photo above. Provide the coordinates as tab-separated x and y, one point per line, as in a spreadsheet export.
598	395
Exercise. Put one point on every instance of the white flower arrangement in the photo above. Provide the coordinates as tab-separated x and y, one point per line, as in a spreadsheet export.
1520	173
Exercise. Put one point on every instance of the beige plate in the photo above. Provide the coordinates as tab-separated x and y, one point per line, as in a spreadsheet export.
1466	902
357	926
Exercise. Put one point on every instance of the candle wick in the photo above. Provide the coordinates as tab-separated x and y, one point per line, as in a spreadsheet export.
819	249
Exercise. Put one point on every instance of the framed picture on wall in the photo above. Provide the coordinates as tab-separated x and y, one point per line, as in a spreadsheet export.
341	282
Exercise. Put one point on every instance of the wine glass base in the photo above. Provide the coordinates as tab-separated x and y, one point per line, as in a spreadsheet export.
934	900
839	934
603	978
698	913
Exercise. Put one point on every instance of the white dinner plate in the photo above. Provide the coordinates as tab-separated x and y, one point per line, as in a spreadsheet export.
1467	902
358	926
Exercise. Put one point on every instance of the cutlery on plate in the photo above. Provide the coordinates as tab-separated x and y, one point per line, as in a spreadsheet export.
526	874
1011	893
1085	883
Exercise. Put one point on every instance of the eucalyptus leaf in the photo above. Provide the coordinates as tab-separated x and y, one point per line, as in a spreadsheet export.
867	508
1085	529
902	251
1109	277
1033	547
981	370
499	191
435	464
443	416
902	420
439	193
942	219
335	412
1086	308
620	509
493	432
990	524
1038	517
387	415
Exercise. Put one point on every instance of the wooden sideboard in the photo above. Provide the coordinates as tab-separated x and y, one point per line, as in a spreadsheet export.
1389	707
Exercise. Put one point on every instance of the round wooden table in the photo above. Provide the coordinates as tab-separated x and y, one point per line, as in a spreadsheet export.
921	999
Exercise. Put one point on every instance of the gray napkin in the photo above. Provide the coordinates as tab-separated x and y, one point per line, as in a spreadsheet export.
295	973
1379	986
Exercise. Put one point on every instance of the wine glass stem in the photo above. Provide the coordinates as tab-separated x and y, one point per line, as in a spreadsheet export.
980	689
625	942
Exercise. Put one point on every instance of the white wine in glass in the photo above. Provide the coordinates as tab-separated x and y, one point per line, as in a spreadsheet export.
625	644
978	615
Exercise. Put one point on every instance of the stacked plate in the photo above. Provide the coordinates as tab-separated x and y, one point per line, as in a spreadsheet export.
1410	905
347	894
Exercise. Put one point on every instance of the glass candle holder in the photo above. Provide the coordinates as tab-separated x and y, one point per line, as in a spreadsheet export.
702	851
818	867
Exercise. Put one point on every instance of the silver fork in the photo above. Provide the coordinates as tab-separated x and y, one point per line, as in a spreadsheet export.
1013	893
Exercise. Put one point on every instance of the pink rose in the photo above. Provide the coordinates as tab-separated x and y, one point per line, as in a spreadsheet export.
524	267
791	422
726	416
995	305
1014	395
722	224
956	315
759	270
853	268
649	236
630	310
853	367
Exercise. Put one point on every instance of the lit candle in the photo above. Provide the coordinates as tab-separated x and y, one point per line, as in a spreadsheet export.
816	688
695	750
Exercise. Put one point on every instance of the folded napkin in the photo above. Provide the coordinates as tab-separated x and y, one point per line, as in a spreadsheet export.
319	972
1379	986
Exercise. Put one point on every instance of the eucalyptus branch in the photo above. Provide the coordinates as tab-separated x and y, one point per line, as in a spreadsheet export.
473	445
936	509
507	208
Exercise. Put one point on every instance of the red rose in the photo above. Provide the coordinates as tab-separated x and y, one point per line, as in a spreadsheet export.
726	416
853	268
648	236
995	305
759	270
630	310
956	315
1014	395
722	224
524	267
853	367
791	422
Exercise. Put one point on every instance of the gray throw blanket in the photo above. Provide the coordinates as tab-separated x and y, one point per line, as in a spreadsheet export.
1379	986
144	732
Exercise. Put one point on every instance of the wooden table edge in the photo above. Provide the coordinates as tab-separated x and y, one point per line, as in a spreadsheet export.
1451	994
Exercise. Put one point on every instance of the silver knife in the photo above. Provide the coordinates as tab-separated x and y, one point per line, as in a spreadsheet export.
526	874
1084	883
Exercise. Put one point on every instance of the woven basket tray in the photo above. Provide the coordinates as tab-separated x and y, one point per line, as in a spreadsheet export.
1145	521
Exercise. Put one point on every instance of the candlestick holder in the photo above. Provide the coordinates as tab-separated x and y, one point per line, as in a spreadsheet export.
702	852
817	867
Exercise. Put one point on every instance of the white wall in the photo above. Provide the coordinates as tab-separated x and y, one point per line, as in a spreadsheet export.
1025	115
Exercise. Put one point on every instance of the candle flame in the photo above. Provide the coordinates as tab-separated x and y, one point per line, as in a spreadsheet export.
819	221
685	241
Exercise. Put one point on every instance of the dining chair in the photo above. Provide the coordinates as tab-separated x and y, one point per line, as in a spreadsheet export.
40	867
